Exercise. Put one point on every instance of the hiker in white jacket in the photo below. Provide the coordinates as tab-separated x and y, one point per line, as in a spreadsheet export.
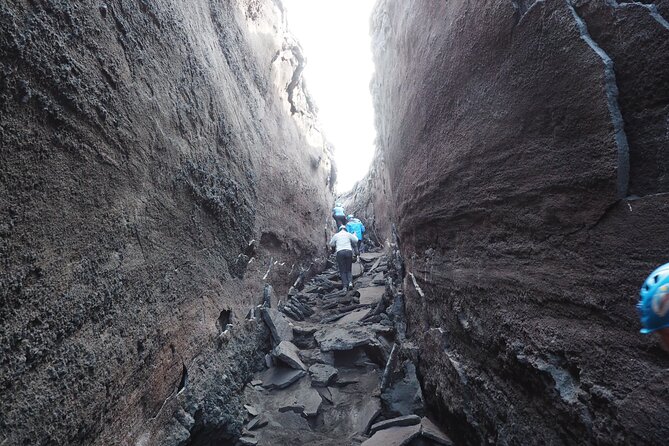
346	244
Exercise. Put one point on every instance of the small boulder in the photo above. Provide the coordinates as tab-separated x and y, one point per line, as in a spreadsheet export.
287	353
408	420
394	436
322	375
281	377
279	326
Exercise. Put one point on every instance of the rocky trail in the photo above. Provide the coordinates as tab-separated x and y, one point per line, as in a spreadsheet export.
341	371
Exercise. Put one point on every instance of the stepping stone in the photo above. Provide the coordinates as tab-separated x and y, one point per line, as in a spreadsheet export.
251	409
322	375
303	331
278	324
378	279
248	441
256	382
370	256
304	400
287	353
343	338
364	416
357	270
371	295
408	420
431	431
404	396
317	356
257	422
281	377
354	316
394	436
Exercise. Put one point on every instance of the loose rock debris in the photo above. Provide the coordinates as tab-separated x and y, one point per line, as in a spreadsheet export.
331	351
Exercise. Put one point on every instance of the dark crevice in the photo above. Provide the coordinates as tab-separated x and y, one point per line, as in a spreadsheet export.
184	378
223	320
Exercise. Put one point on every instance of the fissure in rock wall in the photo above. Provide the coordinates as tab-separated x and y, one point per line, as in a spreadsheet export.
523	143
149	154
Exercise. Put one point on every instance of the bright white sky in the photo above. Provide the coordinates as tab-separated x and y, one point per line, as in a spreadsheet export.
334	35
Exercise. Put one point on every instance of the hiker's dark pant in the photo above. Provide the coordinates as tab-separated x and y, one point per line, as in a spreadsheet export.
340	220
361	246
344	262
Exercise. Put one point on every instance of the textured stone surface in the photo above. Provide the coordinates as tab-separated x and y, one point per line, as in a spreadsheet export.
322	375
394	436
407	420
280	377
278	324
343	338
429	430
287	353
506	152
371	295
144	146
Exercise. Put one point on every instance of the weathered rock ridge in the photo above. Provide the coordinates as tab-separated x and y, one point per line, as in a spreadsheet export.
525	149
149	152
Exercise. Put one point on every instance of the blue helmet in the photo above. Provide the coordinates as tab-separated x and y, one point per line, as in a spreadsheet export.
654	303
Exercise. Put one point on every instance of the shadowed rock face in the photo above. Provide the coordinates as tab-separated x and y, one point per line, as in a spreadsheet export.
144	146
524	144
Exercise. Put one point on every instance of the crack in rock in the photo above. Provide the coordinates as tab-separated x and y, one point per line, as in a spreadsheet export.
611	88
652	10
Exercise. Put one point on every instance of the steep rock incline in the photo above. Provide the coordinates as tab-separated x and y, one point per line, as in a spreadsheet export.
524	144
159	160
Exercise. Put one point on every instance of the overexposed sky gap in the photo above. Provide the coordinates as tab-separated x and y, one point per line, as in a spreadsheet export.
334	35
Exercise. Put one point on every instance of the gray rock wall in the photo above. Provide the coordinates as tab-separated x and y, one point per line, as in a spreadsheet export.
144	147
525	144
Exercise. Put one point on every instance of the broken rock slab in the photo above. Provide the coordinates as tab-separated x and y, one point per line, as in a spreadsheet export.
278	324
343	338
408	420
370	256
364	416
257	422
357	270
251	409
394	436
431	431
287	353
302	399
322	375
354	316
371	295
280	377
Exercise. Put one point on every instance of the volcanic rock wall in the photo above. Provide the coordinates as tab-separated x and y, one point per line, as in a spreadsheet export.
159	159
525	144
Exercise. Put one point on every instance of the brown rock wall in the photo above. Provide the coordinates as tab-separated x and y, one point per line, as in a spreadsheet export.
144	146
518	137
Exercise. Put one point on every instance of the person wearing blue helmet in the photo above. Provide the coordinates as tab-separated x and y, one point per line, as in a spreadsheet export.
355	226
653	305
339	215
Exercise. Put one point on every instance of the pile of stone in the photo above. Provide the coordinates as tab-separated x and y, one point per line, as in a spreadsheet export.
339	371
